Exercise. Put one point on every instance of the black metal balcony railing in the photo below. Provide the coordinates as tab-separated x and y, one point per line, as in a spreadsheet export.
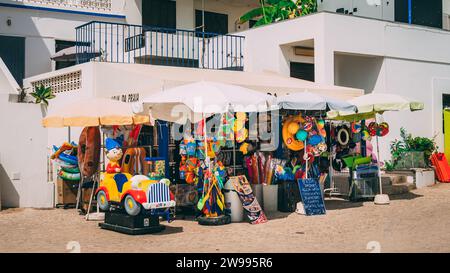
124	43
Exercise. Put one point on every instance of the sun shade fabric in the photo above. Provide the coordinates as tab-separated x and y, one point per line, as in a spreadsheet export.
93	112
371	104
196	100
312	101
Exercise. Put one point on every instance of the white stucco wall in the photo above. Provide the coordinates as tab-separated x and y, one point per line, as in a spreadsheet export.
23	156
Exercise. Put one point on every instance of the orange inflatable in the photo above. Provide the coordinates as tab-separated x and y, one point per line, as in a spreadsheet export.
290	127
133	161
89	151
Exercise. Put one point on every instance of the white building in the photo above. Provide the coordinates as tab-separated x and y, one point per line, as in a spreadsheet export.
375	54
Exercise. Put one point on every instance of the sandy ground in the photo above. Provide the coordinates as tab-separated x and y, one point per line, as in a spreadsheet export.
416	222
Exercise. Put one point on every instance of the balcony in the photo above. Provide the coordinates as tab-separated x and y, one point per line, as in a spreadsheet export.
124	43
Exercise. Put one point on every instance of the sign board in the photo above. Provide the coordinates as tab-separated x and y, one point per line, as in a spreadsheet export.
312	197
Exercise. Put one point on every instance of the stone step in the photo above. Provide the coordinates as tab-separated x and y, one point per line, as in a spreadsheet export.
401	188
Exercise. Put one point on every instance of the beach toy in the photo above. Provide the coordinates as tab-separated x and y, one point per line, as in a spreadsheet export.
190	177
70	170
69	176
293	128
88	153
356	127
68	158
191	164
315	139
365	135
241	135
191	147
301	135
289	139
244	148
322	132
65	147
320	124
343	136
372	128
308	124
183	150
356	137
383	129
322	147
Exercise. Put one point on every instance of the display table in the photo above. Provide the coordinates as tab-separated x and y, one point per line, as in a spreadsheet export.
121	222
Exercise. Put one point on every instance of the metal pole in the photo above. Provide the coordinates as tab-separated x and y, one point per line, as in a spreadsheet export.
410	12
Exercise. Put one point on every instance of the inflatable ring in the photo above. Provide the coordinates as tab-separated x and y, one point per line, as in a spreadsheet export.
343	136
70	170
71	159
89	150
289	139
69	176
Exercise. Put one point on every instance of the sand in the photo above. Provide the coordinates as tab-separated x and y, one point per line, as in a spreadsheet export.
415	222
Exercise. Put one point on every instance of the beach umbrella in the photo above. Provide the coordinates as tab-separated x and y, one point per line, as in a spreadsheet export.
202	99
370	106
312	101
93	112
70	55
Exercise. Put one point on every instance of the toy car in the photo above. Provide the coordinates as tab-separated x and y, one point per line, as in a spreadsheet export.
134	194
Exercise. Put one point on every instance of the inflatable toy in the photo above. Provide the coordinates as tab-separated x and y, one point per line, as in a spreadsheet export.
289	139
133	161
315	139
322	147
365	135
301	135
89	150
356	137
356	127
308	124
69	176
70	170
372	128
343	136
73	160
65	147
241	133
383	129
63	164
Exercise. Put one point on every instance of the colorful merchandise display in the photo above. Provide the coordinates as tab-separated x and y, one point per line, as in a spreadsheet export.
65	158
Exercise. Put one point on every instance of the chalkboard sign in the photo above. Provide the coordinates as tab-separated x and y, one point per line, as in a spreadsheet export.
311	196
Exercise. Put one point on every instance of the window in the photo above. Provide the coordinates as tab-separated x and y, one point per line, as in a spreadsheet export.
12	52
159	13
302	71
60	45
214	22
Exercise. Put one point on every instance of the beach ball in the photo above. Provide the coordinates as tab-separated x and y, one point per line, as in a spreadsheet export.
293	128
301	135
356	127
314	140
308	125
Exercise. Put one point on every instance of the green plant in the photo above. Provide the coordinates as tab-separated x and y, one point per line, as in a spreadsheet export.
42	94
22	94
408	143
278	10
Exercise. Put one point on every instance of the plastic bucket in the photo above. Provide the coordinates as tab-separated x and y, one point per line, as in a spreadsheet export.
233	203
270	196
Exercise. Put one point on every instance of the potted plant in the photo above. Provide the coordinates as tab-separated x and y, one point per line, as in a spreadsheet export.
278	10
42	95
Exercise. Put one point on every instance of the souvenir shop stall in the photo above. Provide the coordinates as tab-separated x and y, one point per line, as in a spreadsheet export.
112	166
